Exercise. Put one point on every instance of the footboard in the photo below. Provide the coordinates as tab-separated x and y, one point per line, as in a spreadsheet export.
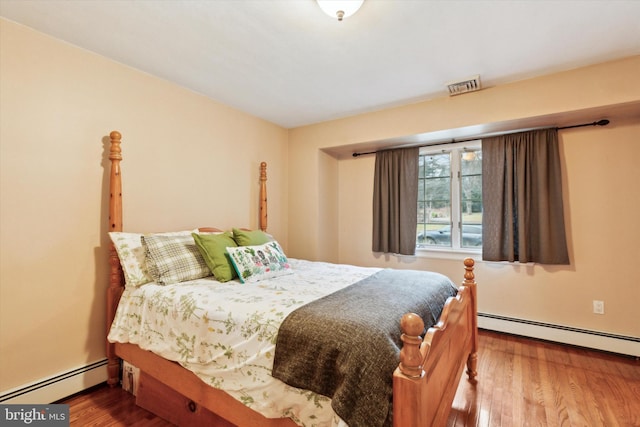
425	382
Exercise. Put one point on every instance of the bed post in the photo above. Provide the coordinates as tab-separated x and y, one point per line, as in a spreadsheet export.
115	275
263	196
430	368
469	281
412	326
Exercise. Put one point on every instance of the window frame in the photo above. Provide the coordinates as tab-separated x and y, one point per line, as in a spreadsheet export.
455	151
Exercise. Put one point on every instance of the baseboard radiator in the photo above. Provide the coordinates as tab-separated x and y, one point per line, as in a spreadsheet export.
73	381
58	386
613	343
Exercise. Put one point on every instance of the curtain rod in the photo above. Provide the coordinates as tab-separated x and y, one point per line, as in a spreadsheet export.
602	122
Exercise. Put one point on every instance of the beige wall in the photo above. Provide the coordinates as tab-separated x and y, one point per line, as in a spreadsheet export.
58	104
600	186
188	161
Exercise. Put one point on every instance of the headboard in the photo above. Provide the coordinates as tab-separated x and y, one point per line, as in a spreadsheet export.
116	276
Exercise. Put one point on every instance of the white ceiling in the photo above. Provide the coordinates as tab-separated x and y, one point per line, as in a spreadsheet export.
289	63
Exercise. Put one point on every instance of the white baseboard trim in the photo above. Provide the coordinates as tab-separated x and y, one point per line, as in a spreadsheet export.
65	384
56	387
563	334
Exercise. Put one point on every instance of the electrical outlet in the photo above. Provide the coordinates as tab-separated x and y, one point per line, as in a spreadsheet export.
598	307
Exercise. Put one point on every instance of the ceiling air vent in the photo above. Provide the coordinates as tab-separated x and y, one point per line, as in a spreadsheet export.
469	85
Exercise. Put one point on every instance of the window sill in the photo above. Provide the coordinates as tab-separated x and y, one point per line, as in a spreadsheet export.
454	254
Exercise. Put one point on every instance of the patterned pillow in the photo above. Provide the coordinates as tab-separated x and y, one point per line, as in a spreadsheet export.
132	255
173	259
254	263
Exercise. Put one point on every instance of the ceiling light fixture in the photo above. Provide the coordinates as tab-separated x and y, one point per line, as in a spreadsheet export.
340	8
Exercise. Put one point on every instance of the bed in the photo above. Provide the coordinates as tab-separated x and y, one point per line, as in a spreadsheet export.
195	387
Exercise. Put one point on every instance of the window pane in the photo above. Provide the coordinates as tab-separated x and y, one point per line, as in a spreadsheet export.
434	200
435	235
437	165
471	198
471	235
438	189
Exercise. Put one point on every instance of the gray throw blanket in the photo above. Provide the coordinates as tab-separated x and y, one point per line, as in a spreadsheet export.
346	345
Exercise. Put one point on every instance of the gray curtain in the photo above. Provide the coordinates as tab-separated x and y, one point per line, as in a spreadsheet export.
395	201
522	199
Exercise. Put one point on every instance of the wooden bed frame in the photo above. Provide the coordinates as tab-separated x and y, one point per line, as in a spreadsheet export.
424	384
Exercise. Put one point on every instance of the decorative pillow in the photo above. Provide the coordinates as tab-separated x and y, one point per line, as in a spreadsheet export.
173	259
213	248
254	263
250	238
132	255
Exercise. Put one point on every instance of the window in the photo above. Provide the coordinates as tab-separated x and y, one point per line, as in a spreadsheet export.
450	197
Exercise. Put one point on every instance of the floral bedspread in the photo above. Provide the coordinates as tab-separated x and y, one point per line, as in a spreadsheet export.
226	332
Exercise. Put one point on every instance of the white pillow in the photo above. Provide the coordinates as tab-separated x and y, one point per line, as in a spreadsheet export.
132	255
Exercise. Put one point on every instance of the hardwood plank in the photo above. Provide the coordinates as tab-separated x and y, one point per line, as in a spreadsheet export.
109	407
521	382
516	398
548	384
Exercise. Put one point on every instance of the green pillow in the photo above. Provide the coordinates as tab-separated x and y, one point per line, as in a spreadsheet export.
213	248
250	238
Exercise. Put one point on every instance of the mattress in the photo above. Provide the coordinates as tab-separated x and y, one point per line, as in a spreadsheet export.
225	333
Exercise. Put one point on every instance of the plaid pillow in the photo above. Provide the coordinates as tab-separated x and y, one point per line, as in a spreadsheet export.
132	255
173	259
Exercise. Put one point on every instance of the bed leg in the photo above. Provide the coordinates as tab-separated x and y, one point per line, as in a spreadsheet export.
113	371
472	366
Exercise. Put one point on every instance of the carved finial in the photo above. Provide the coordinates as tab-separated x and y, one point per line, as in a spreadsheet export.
263	196
412	324
263	171
469	276
410	357
115	153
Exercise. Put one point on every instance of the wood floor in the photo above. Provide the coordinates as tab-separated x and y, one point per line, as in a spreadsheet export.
522	382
